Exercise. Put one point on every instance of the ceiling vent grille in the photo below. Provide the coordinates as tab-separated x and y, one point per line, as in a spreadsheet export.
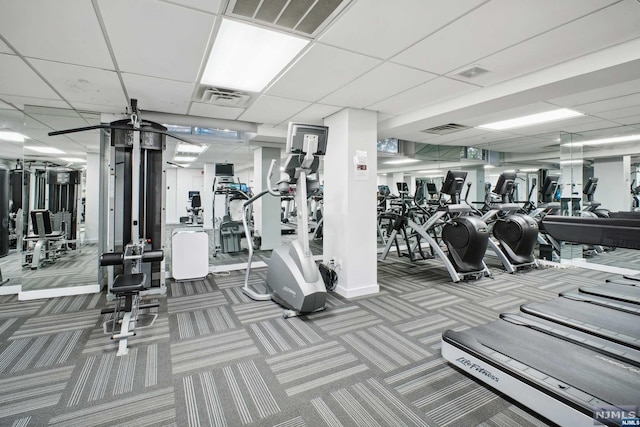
225	97
472	72
306	17
446	129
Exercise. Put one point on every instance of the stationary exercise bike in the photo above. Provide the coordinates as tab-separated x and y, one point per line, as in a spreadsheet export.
293	278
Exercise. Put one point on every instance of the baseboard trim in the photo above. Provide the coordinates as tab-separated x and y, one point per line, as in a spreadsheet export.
58	292
357	292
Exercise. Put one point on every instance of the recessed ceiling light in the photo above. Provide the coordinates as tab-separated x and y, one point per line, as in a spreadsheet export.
248	57
190	148
528	170
431	171
533	119
73	159
401	161
610	140
186	159
12	136
44	150
489	166
571	162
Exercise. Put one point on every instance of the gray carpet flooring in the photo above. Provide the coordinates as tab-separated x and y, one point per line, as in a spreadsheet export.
215	358
76	268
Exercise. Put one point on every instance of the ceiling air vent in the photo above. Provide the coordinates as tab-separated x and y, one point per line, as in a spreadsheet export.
472	72
445	129
306	17
225	97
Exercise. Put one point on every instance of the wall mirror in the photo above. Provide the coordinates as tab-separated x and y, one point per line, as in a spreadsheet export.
59	250
11	207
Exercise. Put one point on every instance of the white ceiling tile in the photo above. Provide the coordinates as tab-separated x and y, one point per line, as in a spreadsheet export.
595	32
22	101
62	30
509	113
83	84
382	28
5	106
598	94
19	80
155	94
211	6
157	39
428	93
113	109
620	113
215	111
384	81
315	114
493	26
320	71
4	48
382	117
12	120
610	104
632	120
273	110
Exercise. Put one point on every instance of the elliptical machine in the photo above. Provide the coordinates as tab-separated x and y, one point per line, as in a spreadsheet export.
466	237
293	278
516	235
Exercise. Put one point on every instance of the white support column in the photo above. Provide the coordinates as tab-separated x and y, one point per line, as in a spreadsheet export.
92	199
613	183
397	177
266	212
350	201
207	195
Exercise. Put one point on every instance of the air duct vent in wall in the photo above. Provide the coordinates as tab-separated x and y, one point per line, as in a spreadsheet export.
445	129
225	97
306	17
472	72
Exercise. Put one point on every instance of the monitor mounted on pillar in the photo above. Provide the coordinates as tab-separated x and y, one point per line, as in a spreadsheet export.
453	184
224	169
302	138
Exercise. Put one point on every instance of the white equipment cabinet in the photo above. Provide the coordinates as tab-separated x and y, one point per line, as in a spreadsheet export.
189	254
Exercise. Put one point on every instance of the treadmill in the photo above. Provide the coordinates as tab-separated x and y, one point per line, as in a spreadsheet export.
575	359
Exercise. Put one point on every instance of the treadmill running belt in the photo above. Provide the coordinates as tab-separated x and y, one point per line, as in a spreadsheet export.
624	293
604	302
562	367
617	326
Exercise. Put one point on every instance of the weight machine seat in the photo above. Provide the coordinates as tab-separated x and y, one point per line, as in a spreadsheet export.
128	284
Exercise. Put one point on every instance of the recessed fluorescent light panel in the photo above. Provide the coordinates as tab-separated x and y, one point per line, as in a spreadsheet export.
44	150
189	148
248	57
73	159
611	140
533	119
185	159
401	161
489	166
12	136
571	162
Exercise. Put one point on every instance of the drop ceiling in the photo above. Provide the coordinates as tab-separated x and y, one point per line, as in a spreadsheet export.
401	58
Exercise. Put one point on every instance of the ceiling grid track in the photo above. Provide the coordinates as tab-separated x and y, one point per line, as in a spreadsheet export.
103	28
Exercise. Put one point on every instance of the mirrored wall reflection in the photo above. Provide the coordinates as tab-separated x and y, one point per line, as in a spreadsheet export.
11	140
59	251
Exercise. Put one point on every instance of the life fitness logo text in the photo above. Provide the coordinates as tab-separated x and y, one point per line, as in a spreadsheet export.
475	367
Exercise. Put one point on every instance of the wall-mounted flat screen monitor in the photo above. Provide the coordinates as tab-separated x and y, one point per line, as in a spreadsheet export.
432	189
224	169
388	145
298	133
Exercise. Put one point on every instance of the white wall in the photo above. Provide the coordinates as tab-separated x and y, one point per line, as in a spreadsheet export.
179	182
613	184
92	199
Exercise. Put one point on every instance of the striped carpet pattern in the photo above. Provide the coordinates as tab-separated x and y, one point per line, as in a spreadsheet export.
213	357
76	268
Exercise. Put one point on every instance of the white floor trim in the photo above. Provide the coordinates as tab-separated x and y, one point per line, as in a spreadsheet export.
213	268
357	292
58	292
583	263
10	289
